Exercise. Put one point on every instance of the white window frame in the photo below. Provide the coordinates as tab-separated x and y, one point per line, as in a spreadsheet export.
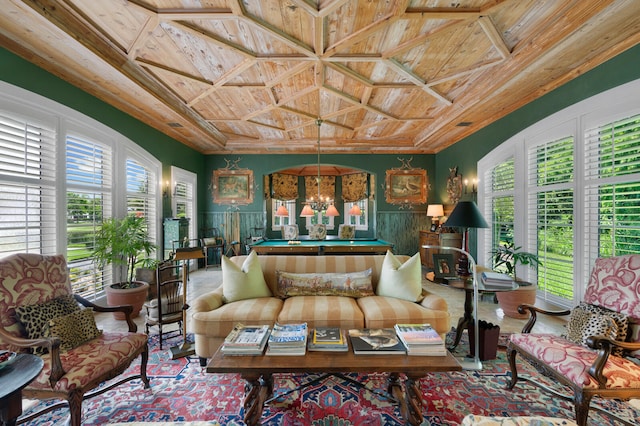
189	181
278	221
68	121
606	107
361	222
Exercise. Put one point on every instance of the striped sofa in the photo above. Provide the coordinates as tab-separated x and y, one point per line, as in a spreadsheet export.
212	319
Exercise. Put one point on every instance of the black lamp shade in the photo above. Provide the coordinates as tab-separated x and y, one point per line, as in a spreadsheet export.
466	215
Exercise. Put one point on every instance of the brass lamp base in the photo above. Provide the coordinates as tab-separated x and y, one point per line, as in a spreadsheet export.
183	350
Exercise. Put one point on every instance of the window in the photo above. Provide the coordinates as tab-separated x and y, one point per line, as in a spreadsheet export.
320	217
551	216
278	221
360	221
500	181
184	203
89	200
104	175
612	177
575	191
27	185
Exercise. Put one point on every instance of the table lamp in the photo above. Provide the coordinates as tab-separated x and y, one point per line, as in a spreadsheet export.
435	212
465	215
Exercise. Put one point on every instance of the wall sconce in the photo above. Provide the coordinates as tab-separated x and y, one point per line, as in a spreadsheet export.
474	186
166	190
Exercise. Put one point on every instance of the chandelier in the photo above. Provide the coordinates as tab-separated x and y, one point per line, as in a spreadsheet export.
315	205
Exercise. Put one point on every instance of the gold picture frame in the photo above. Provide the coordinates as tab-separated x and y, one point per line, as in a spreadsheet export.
406	186
233	186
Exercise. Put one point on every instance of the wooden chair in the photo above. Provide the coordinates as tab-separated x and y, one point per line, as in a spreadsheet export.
27	280
212	239
166	306
581	361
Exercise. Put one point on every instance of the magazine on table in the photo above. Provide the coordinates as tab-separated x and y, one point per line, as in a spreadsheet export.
288	334
376	341
418	334
330	347
327	336
247	335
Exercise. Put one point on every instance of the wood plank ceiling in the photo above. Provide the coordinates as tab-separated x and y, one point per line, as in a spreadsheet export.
252	76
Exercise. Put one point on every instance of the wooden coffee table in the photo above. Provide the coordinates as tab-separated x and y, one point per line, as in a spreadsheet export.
257	372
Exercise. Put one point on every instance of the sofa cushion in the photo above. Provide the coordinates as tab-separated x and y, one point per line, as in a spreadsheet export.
621	320
245	282
74	329
346	232
400	280
219	322
322	311
382	312
353	284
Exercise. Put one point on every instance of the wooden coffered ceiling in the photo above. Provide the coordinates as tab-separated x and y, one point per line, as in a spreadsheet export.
252	76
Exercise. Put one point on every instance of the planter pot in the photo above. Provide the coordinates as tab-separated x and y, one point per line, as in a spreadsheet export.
148	275
127	296
510	300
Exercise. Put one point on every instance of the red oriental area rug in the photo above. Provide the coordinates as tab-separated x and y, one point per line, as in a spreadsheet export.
181	391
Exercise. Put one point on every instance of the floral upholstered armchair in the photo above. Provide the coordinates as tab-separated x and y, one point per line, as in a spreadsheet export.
39	313
593	357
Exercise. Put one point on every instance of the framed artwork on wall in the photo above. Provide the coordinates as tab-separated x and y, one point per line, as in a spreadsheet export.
406	186
232	186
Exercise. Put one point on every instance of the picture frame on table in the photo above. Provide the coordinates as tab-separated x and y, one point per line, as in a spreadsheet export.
434	227
443	266
233	186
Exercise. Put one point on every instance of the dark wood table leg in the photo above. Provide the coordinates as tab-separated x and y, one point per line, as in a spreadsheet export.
466	320
257	390
408	396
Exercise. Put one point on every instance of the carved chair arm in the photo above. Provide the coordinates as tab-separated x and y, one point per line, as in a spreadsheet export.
603	345
51	343
126	309
534	310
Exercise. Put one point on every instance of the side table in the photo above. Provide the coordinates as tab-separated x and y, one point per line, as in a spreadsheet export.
466	321
13	378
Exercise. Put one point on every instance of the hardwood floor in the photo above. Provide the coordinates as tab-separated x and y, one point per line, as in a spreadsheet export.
202	281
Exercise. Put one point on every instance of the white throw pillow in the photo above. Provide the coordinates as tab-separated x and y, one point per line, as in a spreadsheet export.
400	280
243	283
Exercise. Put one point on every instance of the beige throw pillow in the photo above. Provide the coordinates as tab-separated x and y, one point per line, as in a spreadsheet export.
400	280
242	283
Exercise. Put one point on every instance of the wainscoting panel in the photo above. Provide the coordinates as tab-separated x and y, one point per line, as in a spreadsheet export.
402	229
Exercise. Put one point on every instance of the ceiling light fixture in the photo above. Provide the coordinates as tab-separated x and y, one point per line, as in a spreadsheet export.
313	206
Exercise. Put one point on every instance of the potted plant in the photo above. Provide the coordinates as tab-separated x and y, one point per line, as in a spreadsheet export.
120	242
507	257
146	271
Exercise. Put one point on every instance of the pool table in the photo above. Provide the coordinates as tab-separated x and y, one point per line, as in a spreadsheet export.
322	247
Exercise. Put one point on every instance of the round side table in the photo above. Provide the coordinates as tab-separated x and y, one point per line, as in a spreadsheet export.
13	378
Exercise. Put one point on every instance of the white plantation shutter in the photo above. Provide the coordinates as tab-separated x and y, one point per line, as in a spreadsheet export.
141	194
27	186
500	202
612	188
551	216
89	201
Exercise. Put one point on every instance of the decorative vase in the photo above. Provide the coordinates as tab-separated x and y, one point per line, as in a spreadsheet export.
135	297
510	300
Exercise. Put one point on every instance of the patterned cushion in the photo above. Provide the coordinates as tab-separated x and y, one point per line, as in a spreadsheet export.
354	284
583	324
289	232
74	329
615	284
475	420
346	232
573	361
318	232
35	318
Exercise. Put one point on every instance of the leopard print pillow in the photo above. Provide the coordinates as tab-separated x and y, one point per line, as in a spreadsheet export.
583	324
34	319
74	329
621	320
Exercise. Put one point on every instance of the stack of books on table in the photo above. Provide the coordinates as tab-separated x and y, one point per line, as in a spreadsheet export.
376	341
246	340
421	339
328	339
496	279
288	339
